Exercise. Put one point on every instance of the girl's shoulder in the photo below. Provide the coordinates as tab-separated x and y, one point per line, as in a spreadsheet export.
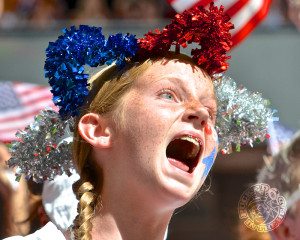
48	232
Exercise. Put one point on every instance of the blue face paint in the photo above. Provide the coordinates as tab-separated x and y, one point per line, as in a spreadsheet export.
209	161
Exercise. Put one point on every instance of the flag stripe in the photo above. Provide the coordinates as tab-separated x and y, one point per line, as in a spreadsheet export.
20	102
34	96
31	113
7	137
252	23
36	100
204	3
226	3
245	14
22	87
235	8
243	17
181	5
21	122
28	90
23	112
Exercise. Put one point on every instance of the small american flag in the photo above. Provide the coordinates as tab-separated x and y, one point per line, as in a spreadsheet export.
280	135
245	14
19	103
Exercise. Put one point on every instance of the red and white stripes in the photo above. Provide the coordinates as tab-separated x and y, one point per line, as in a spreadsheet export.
32	98
245	14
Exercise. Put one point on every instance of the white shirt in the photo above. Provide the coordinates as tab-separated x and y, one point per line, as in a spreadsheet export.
48	232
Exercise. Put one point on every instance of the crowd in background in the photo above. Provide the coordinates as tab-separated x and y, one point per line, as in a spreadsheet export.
47	13
43	13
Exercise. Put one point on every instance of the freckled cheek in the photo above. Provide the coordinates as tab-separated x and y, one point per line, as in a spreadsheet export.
146	122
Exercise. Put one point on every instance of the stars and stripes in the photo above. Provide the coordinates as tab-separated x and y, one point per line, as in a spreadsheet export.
280	135
19	103
245	14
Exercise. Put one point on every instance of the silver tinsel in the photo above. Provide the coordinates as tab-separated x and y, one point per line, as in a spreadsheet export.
44	152
242	115
41	152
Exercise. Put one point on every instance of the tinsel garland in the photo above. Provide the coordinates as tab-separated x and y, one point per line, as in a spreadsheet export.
242	116
67	56
209	28
242	119
38	154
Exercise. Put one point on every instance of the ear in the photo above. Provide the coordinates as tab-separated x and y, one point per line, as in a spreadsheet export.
93	128
285	231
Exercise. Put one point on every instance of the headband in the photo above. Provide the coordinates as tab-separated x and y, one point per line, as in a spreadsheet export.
242	116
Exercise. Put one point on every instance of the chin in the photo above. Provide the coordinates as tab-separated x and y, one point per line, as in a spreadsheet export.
177	194
181	186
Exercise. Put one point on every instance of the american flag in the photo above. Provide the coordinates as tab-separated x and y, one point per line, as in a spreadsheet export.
19	103
280	135
245	14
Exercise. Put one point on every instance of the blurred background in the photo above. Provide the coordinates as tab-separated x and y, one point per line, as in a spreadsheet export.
265	58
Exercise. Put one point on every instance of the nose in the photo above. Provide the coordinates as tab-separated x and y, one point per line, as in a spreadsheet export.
196	114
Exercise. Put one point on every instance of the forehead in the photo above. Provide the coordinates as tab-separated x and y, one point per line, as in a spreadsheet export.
175	67
180	71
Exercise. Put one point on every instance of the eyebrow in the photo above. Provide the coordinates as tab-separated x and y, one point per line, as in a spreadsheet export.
174	80
169	78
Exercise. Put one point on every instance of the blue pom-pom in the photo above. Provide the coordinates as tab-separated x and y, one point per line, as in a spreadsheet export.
67	56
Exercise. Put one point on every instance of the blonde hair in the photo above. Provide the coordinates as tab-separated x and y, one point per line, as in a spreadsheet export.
108	87
106	94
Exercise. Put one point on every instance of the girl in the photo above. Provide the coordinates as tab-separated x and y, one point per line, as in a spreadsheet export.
137	166
144	135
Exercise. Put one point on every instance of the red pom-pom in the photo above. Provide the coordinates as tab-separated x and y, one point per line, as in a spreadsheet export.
209	28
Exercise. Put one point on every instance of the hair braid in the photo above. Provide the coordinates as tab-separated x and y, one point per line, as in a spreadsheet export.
86	211
85	190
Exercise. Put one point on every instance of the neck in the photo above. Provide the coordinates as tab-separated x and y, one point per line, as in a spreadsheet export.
123	217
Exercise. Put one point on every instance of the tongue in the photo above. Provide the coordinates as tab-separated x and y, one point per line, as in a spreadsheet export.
179	164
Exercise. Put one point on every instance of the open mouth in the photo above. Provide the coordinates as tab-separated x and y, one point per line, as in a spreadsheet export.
183	152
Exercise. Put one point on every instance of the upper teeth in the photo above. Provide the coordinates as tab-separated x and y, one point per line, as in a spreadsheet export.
192	139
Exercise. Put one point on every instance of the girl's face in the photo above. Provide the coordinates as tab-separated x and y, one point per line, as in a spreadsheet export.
168	130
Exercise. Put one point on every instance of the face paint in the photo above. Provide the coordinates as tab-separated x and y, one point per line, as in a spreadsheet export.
209	160
208	129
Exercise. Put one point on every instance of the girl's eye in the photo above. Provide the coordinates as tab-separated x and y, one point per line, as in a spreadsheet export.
212	115
168	96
